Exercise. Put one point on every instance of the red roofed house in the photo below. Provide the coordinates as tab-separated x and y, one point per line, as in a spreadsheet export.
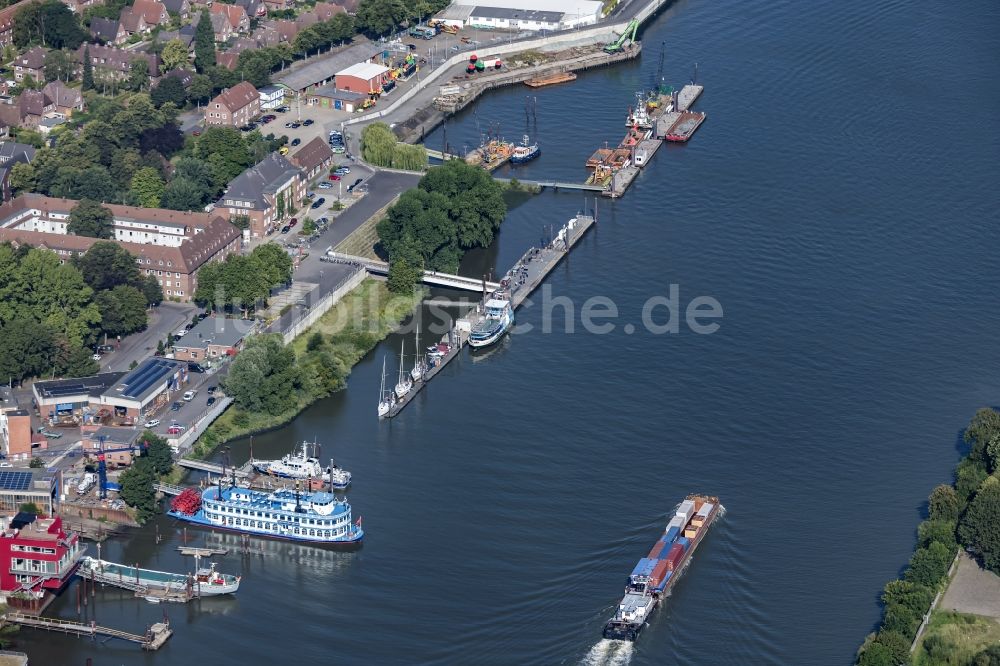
7	21
152	12
234	107
31	63
327	10
235	15
313	158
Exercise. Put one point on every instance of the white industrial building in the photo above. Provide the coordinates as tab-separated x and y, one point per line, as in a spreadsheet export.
532	15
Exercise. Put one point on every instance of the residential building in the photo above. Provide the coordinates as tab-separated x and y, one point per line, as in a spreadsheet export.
253	8
169	245
108	31
329	97
185	35
212	338
12	153
132	22
7	15
327	10
69	401
31	63
234	107
181	8
114	63
38	556
363	77
313	159
185	76
33	106
15	433
222	28
271	97
235	15
78	6
66	100
277	5
153	12
266	193
150	386
228	59
115	442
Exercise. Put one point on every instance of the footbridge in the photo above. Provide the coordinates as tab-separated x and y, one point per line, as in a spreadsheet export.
211	468
156	636
435	278
168	488
554	184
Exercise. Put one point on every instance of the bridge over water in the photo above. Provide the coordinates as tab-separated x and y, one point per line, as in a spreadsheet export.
430	277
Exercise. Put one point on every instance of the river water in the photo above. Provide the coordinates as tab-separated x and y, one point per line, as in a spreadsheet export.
840	203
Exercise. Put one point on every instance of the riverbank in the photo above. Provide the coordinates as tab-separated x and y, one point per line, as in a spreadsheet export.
344	335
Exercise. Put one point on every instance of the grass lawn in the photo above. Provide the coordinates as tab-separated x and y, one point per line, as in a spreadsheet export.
953	639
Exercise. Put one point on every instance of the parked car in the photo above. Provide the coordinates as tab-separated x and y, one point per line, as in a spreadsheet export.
152	423
296	141
176	407
189	395
293	222
283	150
181	332
285	229
210	390
175	429
325	185
357	182
343	171
334	177
319	202
288	124
96	357
105	349
282	109
307	122
6	464
195	367
196	133
210	401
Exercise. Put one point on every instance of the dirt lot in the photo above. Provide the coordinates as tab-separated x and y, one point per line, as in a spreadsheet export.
973	590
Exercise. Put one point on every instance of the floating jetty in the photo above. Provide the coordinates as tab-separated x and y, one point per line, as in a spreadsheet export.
153	639
551	79
521	280
685	126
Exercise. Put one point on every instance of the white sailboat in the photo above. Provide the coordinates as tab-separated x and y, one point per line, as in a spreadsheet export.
383	398
419	367
404	384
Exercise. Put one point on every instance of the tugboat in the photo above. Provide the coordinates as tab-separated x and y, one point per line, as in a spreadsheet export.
639	116
303	466
498	320
525	152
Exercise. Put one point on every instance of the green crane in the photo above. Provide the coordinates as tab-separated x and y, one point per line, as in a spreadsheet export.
627	37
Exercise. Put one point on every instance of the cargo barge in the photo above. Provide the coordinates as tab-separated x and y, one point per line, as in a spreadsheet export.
654	576
551	79
685	127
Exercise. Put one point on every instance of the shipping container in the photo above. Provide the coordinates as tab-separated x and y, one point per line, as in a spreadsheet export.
671	534
644	566
697	504
698	521
659	572
705	509
691	532
654	554
663	583
678	522
684	541
674	556
686	510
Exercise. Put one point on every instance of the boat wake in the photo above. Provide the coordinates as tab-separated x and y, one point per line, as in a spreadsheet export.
609	653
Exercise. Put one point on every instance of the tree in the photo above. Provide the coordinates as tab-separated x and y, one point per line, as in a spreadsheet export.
272	262
174	55
378	17
969	475
182	194
137	489
138	74
942	531
280	212
943	503
147	187
25	349
979	529
58	66
30	507
88	70
36	463
887	647
403	278
123	310
264	377
54	294
152	290
169	89
225	149
204	43
50	23
309	226
993	453
200	89
158	452
929	565
89	218
22	177
985	425
107	264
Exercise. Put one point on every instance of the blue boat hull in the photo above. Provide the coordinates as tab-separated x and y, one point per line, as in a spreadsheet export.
356	535
521	159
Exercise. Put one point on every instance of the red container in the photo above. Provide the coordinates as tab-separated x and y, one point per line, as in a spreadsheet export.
659	571
674	556
657	549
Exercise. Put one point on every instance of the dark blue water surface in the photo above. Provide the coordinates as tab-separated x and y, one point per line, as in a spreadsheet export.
840	203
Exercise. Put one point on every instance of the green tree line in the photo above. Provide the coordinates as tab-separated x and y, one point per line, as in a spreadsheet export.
380	147
241	282
965	513
154	461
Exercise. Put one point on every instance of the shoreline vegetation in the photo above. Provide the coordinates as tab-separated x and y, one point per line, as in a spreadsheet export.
324	354
964	514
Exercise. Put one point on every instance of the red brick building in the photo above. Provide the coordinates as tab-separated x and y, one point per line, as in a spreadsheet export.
364	77
234	107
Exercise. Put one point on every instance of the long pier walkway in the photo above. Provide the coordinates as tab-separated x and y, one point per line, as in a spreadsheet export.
522	279
153	639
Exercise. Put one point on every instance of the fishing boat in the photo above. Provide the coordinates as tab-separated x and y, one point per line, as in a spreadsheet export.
404	384
312	517
301	465
498	320
525	152
638	116
419	366
384	399
206	582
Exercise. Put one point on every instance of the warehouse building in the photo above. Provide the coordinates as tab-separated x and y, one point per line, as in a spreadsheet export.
527	15
363	77
64	400
328	97
146	388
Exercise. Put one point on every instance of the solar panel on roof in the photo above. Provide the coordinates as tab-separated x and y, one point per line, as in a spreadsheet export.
71	389
15	480
155	371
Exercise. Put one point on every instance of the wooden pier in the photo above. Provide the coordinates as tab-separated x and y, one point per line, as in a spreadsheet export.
153	639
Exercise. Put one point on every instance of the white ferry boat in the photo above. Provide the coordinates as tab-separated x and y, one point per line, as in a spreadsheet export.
498	320
314	517
303	466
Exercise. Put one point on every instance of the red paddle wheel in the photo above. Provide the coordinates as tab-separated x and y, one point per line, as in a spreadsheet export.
188	502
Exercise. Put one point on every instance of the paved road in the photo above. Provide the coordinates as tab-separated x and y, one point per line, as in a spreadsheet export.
166	318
